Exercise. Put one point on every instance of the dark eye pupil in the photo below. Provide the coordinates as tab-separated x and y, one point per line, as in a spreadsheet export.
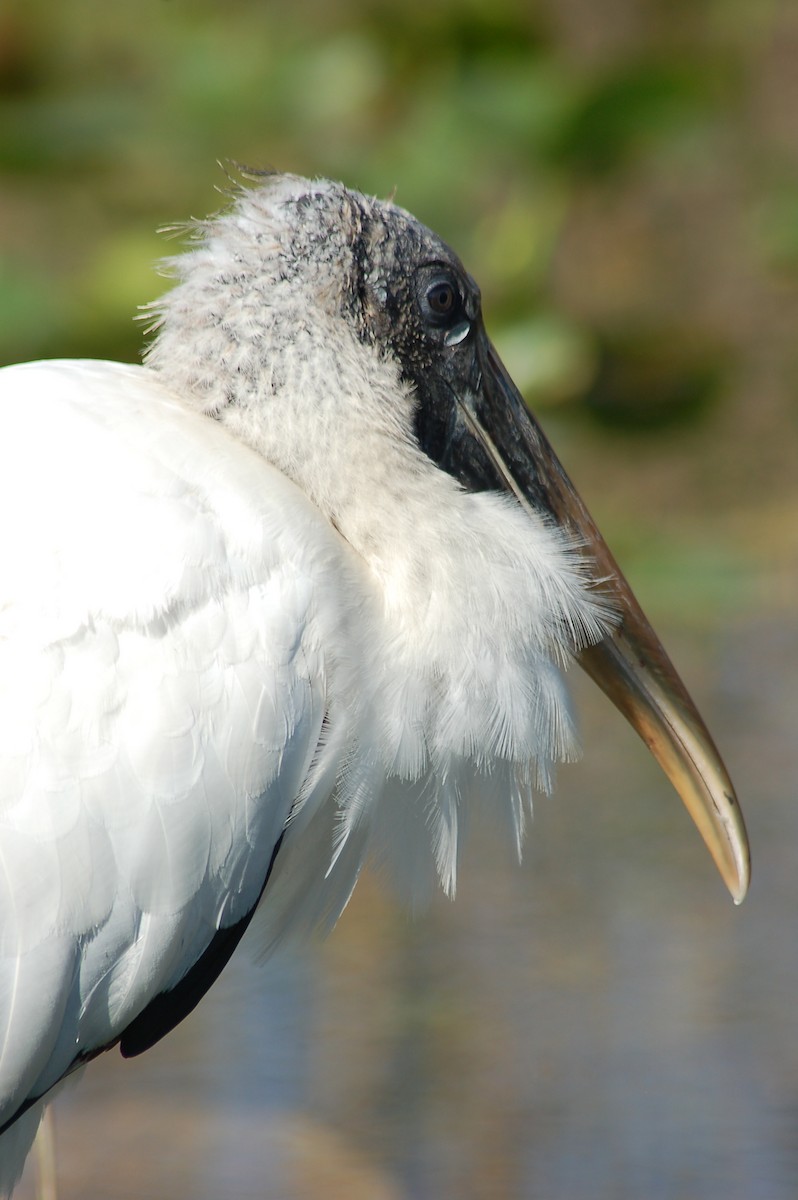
441	298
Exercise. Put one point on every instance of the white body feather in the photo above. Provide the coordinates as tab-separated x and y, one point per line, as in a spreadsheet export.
199	655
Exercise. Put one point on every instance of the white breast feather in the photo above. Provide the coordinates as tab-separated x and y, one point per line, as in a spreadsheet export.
194	662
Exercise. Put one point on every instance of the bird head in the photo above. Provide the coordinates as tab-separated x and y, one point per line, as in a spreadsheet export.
311	289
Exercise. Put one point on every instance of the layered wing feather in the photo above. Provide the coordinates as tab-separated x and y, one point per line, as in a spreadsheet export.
163	690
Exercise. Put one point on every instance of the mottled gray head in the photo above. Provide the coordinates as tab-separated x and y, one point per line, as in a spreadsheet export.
295	271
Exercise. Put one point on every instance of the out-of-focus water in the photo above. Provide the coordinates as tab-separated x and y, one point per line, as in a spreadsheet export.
601	1023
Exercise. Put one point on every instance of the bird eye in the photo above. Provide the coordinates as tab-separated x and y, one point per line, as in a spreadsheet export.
442	298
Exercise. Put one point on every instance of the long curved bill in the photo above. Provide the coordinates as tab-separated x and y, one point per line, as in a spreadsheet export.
629	665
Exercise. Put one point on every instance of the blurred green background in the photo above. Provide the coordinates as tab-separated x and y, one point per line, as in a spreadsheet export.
621	176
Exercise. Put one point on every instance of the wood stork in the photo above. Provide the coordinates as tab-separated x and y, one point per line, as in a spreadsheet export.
297	591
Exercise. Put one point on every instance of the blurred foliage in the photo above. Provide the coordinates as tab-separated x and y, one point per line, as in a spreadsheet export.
620	175
655	380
